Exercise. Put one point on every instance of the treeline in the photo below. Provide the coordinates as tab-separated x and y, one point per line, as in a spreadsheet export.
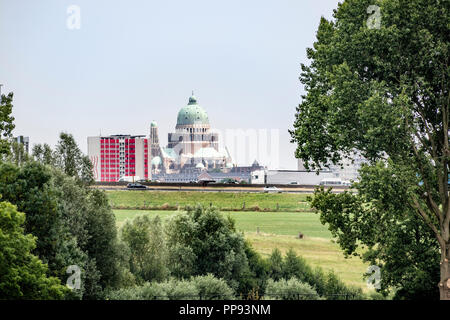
66	223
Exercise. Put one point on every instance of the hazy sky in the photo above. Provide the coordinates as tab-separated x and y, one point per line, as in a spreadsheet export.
132	62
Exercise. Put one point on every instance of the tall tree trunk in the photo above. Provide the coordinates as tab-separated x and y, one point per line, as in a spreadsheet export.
444	284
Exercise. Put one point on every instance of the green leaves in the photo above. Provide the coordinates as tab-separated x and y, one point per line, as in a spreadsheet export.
69	158
145	238
22	274
6	122
218	249
383	93
73	224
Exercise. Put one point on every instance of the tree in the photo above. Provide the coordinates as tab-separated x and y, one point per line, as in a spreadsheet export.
43	154
292	289
145	238
29	188
69	158
384	93
17	155
276	265
103	243
181	261
22	274
216	246
327	285
406	250
6	123
74	225
295	266
86	216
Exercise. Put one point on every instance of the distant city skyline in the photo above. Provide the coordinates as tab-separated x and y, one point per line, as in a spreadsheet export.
132	62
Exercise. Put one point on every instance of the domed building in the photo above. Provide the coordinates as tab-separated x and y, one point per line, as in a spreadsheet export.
192	143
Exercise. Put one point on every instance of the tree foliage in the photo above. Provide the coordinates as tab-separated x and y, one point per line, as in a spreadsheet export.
73	225
383	93
292	289
43	153
217	247
6	123
195	288
145	238
276	265
69	158
22	274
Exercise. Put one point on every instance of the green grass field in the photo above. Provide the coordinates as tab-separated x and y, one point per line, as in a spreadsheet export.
281	223
280	230
276	229
125	199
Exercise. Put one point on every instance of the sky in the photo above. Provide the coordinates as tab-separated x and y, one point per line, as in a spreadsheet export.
126	63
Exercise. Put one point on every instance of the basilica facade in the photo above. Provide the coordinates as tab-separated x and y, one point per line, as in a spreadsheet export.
192	147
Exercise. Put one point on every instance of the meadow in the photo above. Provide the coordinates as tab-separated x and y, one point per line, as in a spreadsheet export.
265	230
228	201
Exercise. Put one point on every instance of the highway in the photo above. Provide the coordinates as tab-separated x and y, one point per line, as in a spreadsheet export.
230	189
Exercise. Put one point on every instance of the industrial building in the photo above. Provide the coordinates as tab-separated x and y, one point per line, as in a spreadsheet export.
290	177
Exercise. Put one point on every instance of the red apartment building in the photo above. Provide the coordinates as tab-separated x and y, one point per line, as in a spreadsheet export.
117	156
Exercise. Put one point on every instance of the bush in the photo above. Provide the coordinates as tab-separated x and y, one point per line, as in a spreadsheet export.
335	289
327	285
22	274
201	287
124	294
211	288
153	291
74	225
292	289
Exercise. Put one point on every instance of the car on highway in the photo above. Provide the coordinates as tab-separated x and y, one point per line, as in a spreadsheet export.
229	181
136	186
272	190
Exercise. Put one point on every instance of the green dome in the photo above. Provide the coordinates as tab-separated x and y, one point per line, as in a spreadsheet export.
153	124
192	114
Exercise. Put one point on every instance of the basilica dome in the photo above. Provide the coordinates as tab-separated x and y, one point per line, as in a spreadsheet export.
192	114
